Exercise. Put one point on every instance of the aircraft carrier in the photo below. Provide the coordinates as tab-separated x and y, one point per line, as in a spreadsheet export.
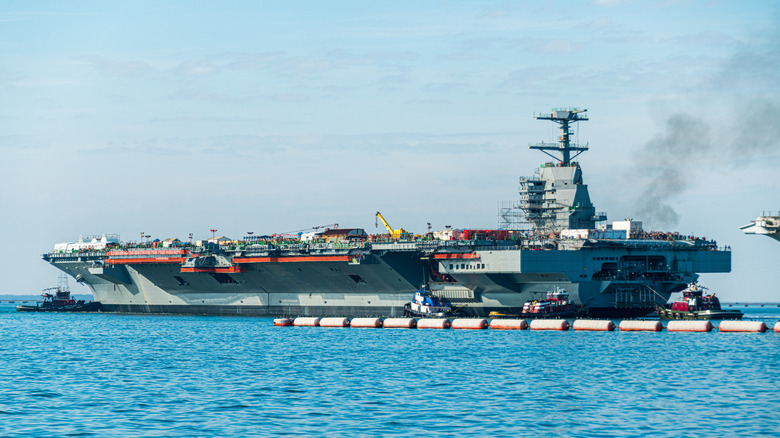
768	224
611	270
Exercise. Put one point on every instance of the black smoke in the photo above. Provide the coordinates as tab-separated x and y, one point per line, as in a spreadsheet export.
735	121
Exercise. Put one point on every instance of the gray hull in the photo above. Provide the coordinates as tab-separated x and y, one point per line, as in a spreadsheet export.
380	282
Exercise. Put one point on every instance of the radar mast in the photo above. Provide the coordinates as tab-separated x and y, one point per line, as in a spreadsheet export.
563	117
556	198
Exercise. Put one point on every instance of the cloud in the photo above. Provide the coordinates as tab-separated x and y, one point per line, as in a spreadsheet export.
316	66
293	147
710	38
460	87
206	95
607	2
21	142
554	46
115	67
290	97
196	68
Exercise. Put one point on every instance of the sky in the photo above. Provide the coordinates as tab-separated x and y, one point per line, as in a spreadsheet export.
178	117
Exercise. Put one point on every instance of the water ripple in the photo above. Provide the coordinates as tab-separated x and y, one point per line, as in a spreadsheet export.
133	375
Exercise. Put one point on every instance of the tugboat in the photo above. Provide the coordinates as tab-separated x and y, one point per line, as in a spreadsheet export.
60	301
425	305
557	305
695	305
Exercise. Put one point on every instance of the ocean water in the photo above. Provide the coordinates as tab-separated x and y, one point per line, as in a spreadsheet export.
140	375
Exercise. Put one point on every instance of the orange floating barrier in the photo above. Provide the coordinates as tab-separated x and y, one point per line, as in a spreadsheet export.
366	323
283	322
689	326
640	326
307	321
433	323
469	324
334	322
407	323
742	326
595	325
508	324
549	324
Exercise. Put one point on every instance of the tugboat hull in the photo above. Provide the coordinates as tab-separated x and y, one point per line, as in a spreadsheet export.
94	306
669	314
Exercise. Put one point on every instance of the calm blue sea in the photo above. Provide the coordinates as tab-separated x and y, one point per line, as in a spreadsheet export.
135	375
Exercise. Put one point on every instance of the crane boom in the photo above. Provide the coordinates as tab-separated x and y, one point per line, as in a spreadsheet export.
395	234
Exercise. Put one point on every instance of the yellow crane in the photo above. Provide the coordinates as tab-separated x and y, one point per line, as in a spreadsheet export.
394	234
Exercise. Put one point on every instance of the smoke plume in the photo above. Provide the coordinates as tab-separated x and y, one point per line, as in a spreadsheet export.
741	104
671	160
666	160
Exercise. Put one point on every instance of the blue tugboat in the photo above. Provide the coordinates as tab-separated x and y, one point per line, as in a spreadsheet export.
426	305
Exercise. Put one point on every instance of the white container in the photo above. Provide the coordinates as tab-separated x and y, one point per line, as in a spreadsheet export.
407	323
508	324
689	326
742	326
595	325
469	324
640	326
306	321
334	322
433	323
366	323
549	324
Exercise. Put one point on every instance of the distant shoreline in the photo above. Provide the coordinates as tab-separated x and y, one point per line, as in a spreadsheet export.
751	304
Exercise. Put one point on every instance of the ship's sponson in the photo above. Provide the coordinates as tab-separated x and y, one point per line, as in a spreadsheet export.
608	277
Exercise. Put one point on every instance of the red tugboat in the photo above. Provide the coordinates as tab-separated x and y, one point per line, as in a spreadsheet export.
557	305
694	304
60	301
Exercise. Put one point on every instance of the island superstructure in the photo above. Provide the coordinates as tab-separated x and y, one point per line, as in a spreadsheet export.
611	270
768	224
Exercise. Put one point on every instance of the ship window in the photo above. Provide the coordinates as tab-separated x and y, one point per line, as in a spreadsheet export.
450	265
